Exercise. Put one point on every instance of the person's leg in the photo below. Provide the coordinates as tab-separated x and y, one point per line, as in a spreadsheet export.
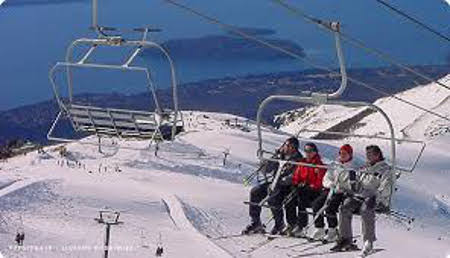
316	205
302	200
367	213
257	194
275	200
332	209
291	207
345	218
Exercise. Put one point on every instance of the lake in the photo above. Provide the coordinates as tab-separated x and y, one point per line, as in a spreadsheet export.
34	37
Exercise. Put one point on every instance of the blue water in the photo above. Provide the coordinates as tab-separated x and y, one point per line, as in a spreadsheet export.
34	37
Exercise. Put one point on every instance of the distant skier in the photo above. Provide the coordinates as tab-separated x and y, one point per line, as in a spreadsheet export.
20	237
366	184
336	179
288	151
309	182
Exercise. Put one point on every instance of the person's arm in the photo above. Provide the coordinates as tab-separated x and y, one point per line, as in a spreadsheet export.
329	179
296	176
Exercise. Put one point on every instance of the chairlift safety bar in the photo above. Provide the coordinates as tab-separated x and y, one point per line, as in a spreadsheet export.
410	169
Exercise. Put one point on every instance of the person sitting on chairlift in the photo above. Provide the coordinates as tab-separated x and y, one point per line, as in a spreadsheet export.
289	152
335	180
308	179
366	184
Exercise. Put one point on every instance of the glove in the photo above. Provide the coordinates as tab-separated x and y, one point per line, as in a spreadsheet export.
371	202
353	182
352	175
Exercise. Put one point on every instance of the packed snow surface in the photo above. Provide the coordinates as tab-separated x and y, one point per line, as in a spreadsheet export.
186	198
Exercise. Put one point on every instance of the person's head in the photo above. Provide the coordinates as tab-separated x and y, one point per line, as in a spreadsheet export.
290	146
345	153
310	150
374	154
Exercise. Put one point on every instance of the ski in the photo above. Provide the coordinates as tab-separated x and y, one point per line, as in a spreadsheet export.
319	253
314	246
232	236
374	251
257	246
292	245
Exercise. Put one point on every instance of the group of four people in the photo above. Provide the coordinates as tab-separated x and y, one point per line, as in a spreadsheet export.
339	191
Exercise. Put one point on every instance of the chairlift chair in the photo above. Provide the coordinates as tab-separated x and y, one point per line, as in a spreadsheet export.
323	98
113	122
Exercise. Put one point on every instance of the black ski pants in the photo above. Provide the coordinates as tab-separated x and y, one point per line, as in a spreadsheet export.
306	196
276	200
257	194
283	194
331	211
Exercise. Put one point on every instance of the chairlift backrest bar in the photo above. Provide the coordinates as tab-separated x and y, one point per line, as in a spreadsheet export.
131	59
313	101
102	66
357	135
88	53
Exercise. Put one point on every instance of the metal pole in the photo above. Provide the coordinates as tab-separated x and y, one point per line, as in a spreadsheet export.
94	13
340	55
108	230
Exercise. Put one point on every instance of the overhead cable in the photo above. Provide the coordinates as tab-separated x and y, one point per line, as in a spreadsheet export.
358	43
299	57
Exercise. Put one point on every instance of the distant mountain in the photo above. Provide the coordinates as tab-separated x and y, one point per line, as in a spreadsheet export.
253	31
220	47
234	95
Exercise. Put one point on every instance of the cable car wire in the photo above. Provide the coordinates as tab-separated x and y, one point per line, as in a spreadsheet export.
299	57
358	43
414	20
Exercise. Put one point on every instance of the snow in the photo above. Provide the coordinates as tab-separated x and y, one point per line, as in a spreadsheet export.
416	123
187	196
322	117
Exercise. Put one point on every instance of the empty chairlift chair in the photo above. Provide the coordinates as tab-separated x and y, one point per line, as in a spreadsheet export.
113	122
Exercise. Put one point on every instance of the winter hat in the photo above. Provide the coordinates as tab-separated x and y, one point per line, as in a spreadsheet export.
312	146
347	148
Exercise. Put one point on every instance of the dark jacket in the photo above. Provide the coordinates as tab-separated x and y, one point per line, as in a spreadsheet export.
271	167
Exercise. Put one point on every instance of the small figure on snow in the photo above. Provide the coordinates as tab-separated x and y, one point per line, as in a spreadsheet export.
159	248
20	237
225	155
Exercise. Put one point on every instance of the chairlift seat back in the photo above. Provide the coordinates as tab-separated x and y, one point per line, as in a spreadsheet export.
113	122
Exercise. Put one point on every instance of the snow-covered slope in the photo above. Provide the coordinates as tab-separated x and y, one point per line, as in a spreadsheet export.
322	117
408	121
185	198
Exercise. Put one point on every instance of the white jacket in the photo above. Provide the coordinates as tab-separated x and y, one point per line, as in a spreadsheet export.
338	177
377	180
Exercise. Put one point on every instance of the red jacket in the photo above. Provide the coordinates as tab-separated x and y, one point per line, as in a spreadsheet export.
308	175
